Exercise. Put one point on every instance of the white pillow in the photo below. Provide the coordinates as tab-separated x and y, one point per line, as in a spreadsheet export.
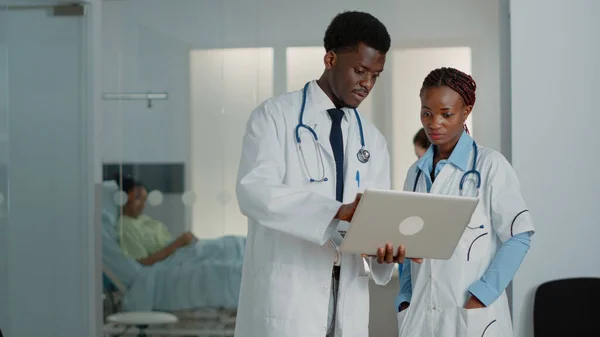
109	206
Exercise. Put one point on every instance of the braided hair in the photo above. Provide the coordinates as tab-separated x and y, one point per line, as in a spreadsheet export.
454	79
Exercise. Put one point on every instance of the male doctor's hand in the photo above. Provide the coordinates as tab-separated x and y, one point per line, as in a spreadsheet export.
346	211
384	254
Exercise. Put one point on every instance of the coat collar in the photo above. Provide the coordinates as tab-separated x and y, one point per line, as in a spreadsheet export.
317	102
459	157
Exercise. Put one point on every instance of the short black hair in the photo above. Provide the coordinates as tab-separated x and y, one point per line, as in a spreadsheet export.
348	29
127	183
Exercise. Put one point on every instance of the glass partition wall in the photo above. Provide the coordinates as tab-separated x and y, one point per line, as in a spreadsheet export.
43	170
4	313
176	95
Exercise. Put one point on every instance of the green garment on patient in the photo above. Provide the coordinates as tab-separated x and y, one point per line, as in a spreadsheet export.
142	236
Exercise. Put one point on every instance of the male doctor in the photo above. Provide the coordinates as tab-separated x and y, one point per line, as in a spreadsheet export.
294	281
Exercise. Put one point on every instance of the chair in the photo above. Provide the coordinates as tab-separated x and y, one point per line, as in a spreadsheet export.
567	307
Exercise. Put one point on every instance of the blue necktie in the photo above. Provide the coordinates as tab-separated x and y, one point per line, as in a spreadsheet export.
337	145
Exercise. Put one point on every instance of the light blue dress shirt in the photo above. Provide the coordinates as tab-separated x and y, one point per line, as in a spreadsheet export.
509	257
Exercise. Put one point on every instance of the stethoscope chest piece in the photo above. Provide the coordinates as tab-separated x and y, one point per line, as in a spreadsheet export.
363	155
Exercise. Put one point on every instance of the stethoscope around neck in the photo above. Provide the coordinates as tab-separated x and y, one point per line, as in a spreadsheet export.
463	179
363	154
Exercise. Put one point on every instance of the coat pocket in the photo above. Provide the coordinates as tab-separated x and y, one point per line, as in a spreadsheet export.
478	323
400	317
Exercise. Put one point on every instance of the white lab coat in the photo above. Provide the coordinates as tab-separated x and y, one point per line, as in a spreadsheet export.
440	287
288	262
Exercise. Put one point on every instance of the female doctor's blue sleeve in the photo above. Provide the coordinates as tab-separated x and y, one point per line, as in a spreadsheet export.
405	294
397	298
512	223
501	271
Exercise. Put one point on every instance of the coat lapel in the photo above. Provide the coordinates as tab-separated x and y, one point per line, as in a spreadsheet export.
443	182
350	149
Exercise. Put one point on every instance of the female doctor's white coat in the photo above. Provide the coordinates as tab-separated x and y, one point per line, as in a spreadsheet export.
288	262
439	288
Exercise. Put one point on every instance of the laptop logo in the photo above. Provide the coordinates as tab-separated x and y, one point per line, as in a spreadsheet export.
411	225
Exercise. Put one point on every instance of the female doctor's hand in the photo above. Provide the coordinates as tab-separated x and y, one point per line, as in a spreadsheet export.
474	303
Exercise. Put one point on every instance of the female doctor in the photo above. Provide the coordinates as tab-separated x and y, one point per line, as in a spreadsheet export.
465	295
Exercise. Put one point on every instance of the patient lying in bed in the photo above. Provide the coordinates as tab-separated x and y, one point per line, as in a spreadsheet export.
148	241
171	273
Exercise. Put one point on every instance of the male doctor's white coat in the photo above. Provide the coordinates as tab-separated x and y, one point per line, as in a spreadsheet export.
288	262
439	287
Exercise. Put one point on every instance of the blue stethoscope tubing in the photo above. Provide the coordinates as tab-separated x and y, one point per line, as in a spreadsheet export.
477	175
472	171
363	155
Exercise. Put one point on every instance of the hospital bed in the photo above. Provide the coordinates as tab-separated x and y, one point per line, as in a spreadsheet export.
202	295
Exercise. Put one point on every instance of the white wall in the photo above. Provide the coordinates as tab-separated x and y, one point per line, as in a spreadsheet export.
226	85
505	85
47	241
555	84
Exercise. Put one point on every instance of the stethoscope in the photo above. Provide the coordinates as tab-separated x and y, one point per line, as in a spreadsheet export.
472	171
363	154
464	177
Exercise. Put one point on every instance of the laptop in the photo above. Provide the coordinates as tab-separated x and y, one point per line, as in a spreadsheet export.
428	225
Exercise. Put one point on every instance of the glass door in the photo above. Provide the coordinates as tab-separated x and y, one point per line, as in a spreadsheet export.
43	177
